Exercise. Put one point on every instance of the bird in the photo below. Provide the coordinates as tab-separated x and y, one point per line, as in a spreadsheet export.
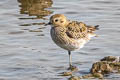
70	35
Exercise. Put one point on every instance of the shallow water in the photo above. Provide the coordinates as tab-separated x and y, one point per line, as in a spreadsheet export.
27	51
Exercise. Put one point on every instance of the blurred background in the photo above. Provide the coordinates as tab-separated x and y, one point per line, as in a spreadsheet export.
27	51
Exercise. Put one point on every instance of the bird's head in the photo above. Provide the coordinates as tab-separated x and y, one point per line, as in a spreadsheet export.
58	20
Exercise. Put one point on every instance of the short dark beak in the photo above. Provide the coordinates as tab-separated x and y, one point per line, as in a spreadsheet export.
49	23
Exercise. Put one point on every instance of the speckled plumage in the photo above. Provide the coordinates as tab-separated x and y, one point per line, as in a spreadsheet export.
70	35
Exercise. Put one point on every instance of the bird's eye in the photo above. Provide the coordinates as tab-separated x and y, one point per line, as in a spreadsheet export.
61	21
56	20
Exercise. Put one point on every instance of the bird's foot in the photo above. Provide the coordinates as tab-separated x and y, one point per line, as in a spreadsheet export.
66	73
73	68
69	73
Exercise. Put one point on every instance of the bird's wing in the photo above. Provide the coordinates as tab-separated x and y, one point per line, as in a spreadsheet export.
76	30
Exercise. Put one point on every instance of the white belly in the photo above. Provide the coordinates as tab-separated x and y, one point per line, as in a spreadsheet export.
74	45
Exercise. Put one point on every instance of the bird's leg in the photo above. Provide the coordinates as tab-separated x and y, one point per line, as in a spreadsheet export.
70	59
72	68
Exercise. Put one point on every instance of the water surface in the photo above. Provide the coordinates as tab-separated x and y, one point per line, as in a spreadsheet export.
27	51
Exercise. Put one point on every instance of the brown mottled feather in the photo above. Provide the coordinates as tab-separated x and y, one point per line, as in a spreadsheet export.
76	30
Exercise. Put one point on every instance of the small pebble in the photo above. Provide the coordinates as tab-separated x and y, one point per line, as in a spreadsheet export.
66	73
74	78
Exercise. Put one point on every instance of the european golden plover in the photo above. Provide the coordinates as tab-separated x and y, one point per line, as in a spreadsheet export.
70	35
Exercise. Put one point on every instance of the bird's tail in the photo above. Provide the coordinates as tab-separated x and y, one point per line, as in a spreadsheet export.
97	27
92	28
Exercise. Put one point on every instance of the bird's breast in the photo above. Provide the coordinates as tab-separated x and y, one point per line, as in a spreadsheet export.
65	43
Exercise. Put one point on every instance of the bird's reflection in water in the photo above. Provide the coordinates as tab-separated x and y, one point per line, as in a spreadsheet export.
35	8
